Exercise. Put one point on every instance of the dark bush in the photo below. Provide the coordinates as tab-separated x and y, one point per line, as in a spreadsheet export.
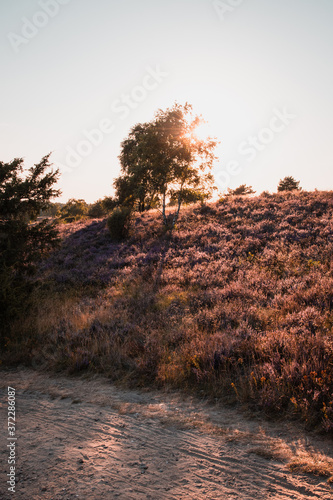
119	222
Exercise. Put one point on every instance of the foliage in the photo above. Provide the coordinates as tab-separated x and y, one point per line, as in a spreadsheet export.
118	223
101	208
188	196
51	211
109	203
163	158
266	194
23	242
288	184
241	190
74	210
96	210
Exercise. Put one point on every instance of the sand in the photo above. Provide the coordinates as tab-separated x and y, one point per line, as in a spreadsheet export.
80	437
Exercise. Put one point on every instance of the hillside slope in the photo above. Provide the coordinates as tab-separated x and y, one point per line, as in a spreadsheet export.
237	303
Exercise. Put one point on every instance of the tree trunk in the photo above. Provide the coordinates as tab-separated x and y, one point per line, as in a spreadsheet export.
151	200
175	218
163	212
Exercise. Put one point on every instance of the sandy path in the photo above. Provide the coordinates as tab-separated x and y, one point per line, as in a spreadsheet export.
87	439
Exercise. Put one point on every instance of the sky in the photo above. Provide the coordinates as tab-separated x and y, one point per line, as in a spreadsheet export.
77	75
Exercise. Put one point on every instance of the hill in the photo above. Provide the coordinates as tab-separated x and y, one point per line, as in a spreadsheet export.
236	302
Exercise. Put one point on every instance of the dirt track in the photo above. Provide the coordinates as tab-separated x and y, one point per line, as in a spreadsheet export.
87	439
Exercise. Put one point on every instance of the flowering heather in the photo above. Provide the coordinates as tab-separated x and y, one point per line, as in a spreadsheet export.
238	301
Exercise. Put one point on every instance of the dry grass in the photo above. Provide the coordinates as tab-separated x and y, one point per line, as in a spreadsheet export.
317	464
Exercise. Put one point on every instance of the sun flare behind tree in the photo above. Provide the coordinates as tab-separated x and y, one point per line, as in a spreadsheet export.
164	159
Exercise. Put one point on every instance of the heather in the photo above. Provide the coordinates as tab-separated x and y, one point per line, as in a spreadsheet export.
236	302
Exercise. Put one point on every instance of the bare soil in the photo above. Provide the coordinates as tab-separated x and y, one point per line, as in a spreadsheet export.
86	438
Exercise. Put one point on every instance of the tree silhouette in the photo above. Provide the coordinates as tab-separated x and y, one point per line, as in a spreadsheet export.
241	190
163	159
73	210
288	184
23	240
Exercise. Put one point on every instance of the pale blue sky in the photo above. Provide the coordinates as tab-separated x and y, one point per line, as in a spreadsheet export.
241	67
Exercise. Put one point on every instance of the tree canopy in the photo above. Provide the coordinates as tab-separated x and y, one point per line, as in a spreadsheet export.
288	184
23	240
73	210
164	159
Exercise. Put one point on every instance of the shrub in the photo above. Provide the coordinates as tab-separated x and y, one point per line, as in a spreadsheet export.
266	194
119	222
241	190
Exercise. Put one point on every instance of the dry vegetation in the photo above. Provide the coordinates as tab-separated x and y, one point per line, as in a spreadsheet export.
237	302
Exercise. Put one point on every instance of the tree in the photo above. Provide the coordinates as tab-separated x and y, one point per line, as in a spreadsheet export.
52	210
241	190
23	241
288	184
109	203
74	210
101	208
96	210
164	159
